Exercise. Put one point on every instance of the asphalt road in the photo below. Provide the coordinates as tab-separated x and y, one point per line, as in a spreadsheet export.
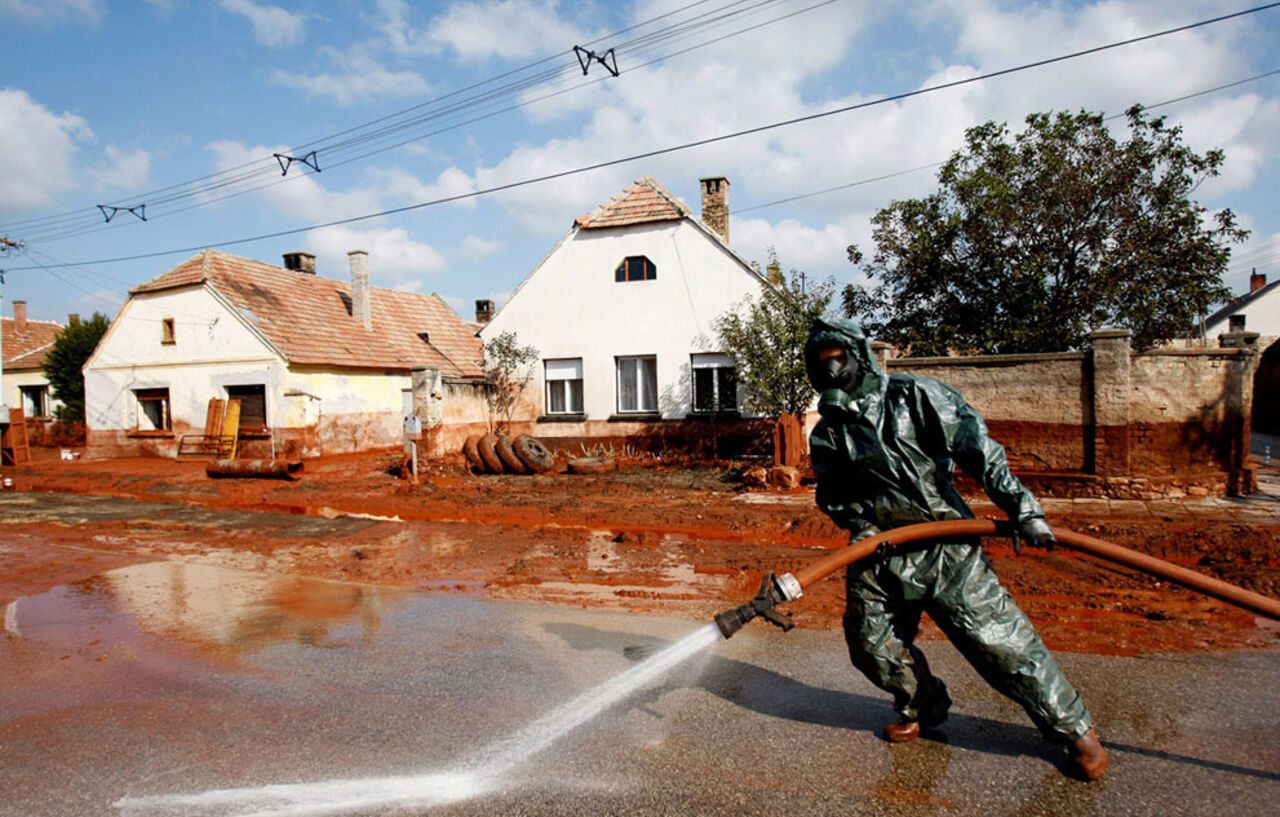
175	688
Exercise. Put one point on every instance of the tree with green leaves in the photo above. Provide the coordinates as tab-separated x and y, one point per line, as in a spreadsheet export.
508	369
1034	240
66	359
765	336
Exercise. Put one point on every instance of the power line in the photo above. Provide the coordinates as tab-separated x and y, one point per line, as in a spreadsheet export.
702	142
897	173
82	222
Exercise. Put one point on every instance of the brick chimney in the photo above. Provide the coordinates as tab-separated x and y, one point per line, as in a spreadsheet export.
715	205
73	319
360	308
1256	282
484	310
20	317
303	262
773	273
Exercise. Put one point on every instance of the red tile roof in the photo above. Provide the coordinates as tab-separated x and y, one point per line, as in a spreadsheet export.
643	201
27	351
308	318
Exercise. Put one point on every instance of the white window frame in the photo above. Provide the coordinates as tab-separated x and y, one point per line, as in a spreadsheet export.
639	370
144	420
560	375
717	363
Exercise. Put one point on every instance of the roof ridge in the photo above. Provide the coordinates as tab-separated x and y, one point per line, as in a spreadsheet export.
614	213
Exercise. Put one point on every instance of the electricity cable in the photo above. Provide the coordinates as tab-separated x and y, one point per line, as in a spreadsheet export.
707	141
257	167
918	168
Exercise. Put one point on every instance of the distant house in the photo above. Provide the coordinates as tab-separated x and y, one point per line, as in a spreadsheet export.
622	313
1256	311
320	366
25	344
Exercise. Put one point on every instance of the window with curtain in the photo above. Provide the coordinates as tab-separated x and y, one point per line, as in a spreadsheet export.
637	384
564	385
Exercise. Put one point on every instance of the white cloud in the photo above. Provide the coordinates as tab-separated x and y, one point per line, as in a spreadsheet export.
451	182
38	152
122	171
54	11
474	248
534	29
396	260
800	246
272	25
358	78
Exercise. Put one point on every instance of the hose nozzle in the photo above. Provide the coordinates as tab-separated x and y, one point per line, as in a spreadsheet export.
773	591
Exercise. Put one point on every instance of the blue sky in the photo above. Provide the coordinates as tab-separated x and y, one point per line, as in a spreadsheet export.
178	104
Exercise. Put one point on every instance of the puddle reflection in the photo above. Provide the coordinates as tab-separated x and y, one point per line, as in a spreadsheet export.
207	606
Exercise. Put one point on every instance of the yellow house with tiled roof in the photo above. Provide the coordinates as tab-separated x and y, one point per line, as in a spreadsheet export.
320	365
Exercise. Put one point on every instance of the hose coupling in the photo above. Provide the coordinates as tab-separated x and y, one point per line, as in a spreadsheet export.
773	591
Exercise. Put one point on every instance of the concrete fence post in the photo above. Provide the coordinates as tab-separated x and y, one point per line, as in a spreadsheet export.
1111	389
881	351
427	407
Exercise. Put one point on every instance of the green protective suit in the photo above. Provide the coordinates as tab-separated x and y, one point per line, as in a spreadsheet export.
884	454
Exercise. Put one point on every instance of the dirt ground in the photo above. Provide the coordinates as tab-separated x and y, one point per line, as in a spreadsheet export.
650	537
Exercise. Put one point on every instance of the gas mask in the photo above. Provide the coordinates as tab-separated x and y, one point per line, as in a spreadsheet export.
835	368
834	374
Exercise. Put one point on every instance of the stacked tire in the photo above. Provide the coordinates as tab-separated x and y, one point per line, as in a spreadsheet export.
494	454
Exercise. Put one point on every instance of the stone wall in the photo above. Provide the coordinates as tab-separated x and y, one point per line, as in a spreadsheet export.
1113	422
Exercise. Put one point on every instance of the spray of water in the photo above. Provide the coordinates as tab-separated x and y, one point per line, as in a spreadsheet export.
484	772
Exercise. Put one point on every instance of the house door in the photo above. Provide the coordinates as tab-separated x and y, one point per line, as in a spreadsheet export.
253	406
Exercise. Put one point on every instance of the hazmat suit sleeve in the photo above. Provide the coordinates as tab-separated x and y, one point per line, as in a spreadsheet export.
966	441
832	499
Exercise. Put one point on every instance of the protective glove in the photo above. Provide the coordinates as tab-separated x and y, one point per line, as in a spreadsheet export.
1036	532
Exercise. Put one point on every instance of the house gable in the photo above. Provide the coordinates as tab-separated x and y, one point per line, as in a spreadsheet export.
573	307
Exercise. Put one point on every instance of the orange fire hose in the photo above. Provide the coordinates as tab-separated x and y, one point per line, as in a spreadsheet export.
1253	602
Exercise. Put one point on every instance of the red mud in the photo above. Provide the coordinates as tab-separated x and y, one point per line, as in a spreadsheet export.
648	538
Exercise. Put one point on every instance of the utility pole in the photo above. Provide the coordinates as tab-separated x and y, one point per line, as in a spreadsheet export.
6	246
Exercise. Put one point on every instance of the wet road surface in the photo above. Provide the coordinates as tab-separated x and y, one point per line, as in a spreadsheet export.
165	688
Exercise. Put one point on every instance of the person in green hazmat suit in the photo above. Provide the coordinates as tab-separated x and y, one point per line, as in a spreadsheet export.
884	454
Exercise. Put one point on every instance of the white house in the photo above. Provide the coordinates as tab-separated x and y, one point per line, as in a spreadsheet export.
320	366
1257	311
622	314
25	344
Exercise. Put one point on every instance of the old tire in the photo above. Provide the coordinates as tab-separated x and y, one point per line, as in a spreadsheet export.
471	450
510	459
533	453
489	454
592	465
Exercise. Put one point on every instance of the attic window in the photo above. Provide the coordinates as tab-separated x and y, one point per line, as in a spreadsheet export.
635	268
1235	323
166	332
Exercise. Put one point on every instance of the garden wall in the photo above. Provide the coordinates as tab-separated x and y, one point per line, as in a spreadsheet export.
1112	422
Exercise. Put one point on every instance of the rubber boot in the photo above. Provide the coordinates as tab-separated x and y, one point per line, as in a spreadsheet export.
933	712
1089	757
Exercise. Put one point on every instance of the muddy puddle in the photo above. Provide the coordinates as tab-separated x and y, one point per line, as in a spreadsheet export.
208	609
